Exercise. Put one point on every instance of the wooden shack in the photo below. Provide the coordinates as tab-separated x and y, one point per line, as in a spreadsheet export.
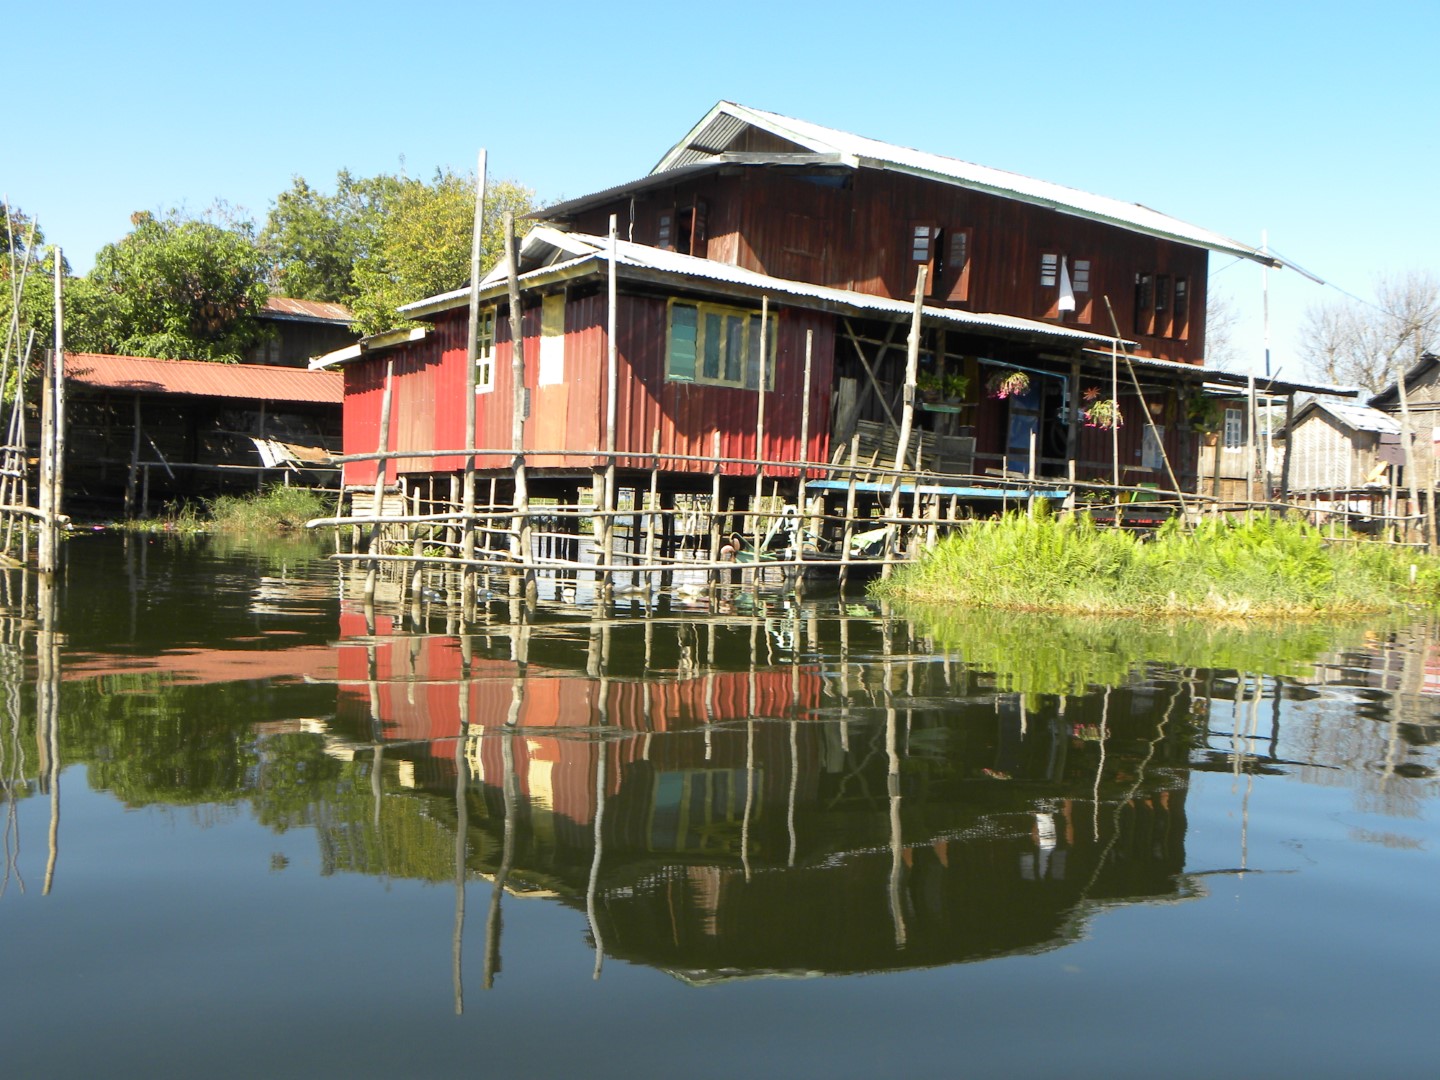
142	431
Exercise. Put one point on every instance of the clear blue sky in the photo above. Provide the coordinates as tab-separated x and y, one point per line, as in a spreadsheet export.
1318	122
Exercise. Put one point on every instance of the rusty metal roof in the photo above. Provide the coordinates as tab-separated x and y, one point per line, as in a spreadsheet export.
288	308
198	378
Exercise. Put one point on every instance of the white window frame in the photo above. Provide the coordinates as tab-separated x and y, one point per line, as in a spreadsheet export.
1233	440
485	352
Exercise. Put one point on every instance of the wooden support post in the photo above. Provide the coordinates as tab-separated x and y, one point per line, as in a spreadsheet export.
907	413
756	531
1289	445
715	507
518	584
847	535
378	505
654	508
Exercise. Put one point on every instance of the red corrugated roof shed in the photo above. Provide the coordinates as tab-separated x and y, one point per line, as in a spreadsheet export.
197	378
287	307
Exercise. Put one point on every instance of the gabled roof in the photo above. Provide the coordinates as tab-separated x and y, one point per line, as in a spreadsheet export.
730	125
288	309
1354	417
1390	396
201	378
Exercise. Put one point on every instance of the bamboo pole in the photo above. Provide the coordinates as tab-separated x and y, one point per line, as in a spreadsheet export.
472	351
518	585
907	400
801	502
378	505
755	528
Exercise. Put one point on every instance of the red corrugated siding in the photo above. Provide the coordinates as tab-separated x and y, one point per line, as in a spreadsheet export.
427	411
688	414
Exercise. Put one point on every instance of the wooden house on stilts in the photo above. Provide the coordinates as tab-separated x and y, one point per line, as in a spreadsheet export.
764	279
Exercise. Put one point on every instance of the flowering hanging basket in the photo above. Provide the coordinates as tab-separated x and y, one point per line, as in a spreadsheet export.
1004	384
1104	414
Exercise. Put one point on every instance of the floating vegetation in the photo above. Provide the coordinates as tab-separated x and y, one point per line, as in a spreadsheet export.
1240	568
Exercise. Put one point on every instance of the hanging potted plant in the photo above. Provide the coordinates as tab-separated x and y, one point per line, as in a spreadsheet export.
1102	413
1008	383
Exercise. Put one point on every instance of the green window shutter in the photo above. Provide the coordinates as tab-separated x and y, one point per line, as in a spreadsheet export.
682	342
714	342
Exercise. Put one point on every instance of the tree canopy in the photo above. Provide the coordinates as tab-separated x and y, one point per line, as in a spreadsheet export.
384	241
175	287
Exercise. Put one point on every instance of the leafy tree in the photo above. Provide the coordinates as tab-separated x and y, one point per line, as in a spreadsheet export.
314	240
1369	345
176	287
382	241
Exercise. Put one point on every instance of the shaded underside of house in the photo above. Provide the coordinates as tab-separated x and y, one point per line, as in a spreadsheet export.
141	430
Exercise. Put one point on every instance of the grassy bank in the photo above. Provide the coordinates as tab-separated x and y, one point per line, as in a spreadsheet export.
270	512
1237	568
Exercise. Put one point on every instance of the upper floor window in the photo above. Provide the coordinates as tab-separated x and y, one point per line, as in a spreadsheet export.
708	343
1144	303
1180	327
683	229
1071	281
957	264
924	243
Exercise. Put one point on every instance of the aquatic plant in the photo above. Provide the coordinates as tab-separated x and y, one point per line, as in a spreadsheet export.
1240	568
276	509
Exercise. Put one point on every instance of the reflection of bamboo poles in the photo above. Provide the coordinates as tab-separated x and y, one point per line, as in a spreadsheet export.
897	845
510	788
47	706
462	829
592	886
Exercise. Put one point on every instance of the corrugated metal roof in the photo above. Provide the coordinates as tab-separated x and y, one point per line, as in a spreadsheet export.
198	378
719	127
287	307
1361	417
543	245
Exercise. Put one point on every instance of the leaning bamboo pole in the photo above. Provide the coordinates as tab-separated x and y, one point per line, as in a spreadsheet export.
472	352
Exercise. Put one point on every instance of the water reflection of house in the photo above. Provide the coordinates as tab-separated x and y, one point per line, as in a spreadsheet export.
745	827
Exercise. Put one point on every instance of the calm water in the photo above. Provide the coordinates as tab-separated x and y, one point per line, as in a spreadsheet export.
269	835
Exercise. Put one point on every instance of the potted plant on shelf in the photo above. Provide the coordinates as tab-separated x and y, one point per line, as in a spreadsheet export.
930	386
954	387
1008	382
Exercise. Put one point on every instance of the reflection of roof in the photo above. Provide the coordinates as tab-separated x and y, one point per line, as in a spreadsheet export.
287	308
198	378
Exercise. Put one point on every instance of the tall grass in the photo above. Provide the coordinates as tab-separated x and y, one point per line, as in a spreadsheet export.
1234	567
274	510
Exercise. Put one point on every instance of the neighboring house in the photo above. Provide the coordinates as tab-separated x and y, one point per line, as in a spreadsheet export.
1341	448
824	232
144	431
301	330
